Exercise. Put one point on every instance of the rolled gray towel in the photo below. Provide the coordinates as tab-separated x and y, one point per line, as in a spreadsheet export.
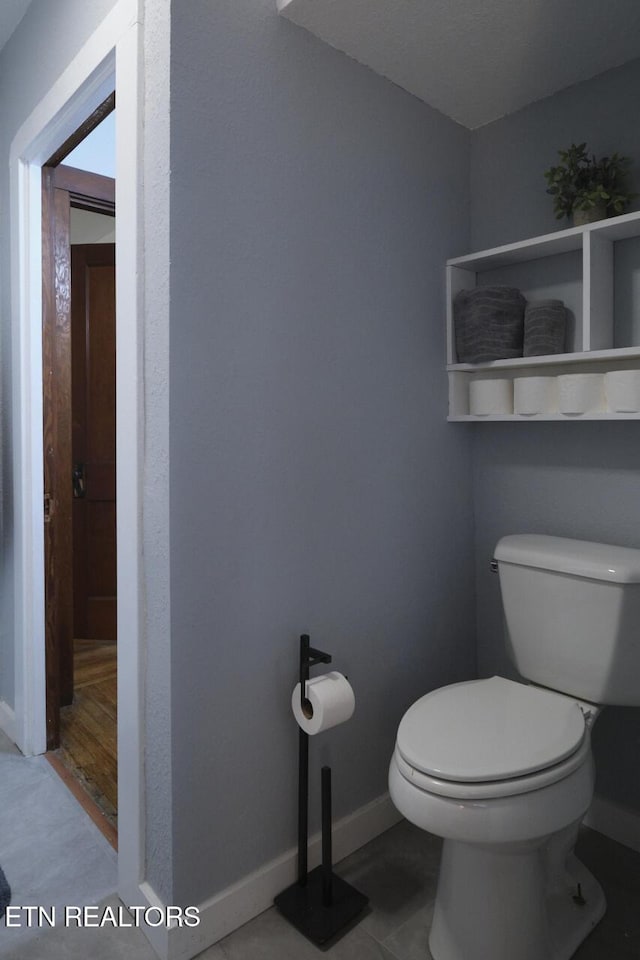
545	326
489	324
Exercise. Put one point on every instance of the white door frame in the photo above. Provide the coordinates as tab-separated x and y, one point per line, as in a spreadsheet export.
110	59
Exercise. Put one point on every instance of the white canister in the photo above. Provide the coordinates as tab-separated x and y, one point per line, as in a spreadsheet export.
533	395
622	390
490	397
580	393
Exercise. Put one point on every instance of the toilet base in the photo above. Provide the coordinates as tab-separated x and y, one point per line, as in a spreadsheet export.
520	903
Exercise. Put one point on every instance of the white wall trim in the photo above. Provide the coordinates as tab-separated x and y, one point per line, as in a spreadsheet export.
242	901
615	821
130	433
7	721
110	59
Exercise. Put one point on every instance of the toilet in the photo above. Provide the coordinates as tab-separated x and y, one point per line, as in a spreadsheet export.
502	770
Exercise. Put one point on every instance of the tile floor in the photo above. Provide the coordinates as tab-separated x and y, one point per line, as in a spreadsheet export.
397	871
51	852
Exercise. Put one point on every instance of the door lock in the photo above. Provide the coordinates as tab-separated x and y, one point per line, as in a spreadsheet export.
78	479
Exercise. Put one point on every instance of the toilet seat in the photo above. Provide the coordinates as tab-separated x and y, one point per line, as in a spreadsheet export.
493	789
493	737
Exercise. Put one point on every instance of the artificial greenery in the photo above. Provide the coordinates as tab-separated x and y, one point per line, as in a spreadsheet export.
581	182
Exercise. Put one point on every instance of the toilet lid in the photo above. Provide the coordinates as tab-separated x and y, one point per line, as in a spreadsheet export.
493	729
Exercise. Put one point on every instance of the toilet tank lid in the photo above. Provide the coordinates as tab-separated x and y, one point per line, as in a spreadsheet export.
582	558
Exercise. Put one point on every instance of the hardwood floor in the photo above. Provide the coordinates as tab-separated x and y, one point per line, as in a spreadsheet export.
88	741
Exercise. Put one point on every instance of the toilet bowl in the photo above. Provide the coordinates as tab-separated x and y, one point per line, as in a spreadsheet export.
502	770
506	784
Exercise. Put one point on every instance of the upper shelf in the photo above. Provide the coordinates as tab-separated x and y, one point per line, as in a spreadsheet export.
551	244
577	266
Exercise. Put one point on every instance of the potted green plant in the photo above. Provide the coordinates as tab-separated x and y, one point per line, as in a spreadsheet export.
587	188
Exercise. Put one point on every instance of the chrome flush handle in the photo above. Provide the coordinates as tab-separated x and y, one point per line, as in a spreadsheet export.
494	566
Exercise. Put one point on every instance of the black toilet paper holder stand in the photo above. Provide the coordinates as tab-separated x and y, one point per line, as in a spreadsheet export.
319	904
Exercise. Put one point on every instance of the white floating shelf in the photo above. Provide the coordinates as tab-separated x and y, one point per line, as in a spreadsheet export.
624	227
556	359
585	282
550	245
538	417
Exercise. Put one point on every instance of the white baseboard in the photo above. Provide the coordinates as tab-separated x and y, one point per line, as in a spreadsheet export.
236	905
158	937
7	720
615	821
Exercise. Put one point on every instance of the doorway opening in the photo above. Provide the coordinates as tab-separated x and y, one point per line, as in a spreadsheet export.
79	452
77	92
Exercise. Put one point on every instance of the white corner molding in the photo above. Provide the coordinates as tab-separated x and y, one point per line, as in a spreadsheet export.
7	721
615	821
244	900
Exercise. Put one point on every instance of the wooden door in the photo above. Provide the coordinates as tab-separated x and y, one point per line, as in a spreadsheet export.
93	349
56	359
62	187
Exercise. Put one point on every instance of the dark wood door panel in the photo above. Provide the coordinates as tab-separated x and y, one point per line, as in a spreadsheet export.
56	353
100	315
94	440
100	544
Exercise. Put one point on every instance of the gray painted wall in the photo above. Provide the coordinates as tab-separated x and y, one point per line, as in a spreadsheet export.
571	479
32	60
315	484
508	190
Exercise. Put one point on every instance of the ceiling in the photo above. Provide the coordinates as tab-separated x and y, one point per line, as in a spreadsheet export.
11	13
474	61
477	61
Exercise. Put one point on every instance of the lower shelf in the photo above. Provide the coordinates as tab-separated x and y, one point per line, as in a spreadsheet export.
602	391
556	417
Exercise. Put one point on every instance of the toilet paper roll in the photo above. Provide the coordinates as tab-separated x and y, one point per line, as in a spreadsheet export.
534	395
487	397
580	393
622	388
330	700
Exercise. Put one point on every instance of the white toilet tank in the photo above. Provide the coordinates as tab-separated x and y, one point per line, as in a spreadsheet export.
572	611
